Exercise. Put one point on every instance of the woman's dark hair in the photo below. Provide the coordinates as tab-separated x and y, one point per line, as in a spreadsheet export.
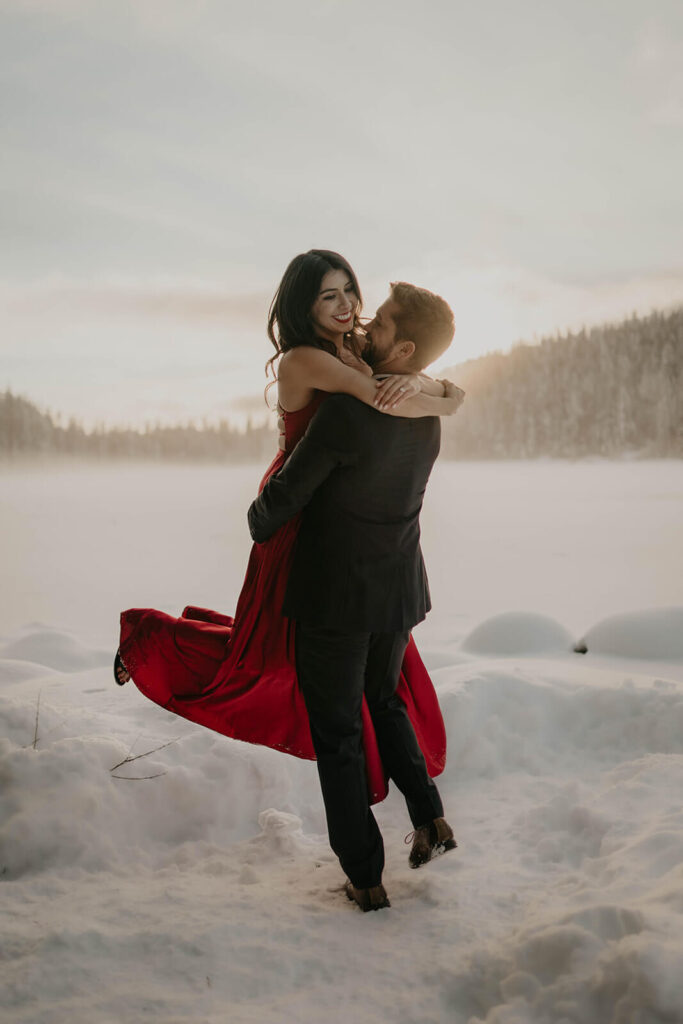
289	319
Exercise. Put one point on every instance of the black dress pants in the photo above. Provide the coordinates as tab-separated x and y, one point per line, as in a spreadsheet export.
335	669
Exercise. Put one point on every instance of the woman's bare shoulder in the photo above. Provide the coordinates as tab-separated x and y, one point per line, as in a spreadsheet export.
304	359
304	354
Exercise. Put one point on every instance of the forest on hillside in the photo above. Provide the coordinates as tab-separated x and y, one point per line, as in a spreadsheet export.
612	390
609	391
25	430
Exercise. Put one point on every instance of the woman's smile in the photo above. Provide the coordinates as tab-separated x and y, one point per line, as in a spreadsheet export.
334	309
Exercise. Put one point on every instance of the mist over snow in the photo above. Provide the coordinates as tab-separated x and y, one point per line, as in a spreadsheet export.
154	870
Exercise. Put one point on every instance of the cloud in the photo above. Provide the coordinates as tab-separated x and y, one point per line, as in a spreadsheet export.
56	8
181	301
659	62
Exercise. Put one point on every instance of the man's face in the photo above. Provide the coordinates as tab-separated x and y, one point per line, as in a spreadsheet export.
381	333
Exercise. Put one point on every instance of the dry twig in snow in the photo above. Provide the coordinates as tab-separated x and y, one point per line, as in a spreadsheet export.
127	760
35	734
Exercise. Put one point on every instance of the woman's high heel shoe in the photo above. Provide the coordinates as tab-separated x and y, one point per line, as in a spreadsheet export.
120	671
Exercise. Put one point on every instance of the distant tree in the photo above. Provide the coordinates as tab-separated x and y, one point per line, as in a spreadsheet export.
615	389
611	390
25	430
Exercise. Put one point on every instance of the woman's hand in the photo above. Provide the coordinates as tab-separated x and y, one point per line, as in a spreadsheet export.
395	388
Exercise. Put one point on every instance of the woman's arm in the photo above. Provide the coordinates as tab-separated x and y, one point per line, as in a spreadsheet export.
427	403
393	388
310	367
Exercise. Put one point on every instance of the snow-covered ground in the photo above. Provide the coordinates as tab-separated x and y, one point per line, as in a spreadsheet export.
208	893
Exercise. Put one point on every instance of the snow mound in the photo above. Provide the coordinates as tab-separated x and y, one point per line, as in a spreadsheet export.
498	722
55	650
652	633
515	633
84	801
13	671
281	835
599	964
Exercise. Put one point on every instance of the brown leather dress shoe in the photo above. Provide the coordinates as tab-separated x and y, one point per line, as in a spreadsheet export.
374	898
435	837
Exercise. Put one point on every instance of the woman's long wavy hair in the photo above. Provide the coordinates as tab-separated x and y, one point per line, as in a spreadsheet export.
290	323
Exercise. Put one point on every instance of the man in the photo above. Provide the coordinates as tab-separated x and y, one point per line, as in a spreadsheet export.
358	585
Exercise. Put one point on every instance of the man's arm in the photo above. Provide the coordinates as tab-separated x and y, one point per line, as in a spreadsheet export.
328	444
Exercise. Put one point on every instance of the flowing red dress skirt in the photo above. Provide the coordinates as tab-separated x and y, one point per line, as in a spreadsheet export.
237	675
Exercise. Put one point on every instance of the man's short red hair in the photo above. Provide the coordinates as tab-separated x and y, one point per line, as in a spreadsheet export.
423	318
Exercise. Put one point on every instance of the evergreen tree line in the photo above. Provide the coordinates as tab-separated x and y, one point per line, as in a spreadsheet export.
611	390
25	430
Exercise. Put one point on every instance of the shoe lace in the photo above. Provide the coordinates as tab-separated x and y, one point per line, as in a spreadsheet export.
411	835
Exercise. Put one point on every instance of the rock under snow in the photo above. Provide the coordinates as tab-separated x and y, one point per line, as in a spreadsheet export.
522	633
654	633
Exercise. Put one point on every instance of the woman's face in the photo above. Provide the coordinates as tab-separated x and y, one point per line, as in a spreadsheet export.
333	310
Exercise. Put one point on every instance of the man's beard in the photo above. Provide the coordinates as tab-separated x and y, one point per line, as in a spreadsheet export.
370	353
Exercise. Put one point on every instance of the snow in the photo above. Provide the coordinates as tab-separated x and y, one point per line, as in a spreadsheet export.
194	882
652	633
518	633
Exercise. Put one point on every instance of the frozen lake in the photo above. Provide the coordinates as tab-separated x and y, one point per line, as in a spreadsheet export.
577	541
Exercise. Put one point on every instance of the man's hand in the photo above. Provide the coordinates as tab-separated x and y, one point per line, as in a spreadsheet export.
454	392
330	442
395	388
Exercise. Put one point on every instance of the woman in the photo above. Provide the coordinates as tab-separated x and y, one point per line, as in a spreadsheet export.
237	676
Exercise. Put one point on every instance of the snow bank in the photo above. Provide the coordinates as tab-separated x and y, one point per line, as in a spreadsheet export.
500	721
54	649
655	633
66	805
518	633
596	965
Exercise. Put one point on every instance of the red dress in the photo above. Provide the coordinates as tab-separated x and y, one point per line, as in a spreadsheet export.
237	675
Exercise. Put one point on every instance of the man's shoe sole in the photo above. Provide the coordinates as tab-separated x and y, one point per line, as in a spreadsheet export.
362	898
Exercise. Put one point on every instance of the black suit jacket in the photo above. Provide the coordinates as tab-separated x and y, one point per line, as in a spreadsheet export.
359	476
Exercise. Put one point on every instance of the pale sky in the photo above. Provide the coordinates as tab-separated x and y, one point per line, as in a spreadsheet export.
162	161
